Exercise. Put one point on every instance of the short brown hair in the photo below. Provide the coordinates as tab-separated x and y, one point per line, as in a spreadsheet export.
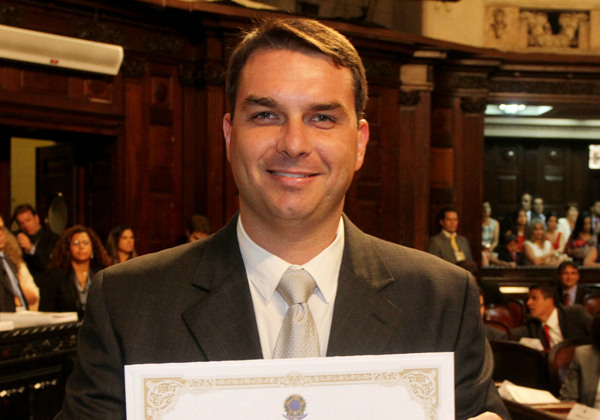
298	35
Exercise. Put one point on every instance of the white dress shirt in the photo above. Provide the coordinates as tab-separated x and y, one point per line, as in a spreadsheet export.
264	271
555	332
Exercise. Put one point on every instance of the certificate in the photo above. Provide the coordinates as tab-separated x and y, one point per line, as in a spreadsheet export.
409	386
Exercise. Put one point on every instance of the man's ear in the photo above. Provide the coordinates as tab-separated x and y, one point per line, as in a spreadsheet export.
362	138
227	126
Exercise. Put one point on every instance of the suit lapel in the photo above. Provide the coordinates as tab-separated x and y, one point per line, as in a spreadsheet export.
363	321
223	322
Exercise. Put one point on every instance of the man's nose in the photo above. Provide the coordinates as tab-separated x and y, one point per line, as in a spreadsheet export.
294	139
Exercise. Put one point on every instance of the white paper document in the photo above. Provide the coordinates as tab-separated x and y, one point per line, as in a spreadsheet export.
24	319
410	386
524	395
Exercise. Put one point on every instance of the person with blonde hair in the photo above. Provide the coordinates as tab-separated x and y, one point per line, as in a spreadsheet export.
18	288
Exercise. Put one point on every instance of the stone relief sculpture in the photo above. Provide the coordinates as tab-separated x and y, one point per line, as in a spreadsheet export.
498	23
541	34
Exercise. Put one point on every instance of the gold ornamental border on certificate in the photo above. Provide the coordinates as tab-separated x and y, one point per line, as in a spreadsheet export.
160	394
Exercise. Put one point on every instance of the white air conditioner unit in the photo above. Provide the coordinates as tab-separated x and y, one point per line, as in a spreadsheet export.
59	51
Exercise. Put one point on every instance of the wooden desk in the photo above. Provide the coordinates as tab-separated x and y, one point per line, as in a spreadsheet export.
558	411
34	365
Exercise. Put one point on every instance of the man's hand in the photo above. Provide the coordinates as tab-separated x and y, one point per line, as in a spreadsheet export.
486	416
24	242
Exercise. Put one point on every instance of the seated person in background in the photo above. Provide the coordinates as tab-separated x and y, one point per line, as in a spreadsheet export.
592	259
583	377
567	223
198	227
556	237
552	323
492	334
490	228
17	288
120	244
519	228
582	240
568	278
537	249
35	240
508	253
77	257
447	244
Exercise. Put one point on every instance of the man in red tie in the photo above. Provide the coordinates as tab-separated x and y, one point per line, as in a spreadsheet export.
569	291
552	323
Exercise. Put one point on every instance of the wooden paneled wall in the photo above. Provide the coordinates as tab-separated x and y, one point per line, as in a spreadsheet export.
161	118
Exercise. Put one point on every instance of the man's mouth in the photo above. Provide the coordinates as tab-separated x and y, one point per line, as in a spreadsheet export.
290	175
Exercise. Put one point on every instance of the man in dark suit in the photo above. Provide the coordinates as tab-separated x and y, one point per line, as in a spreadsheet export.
448	244
295	137
36	241
552	323
569	292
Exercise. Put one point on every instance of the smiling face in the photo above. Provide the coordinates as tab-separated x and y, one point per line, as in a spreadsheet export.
569	277
295	143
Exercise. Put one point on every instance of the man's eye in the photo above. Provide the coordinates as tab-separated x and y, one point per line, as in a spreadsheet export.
323	118
265	115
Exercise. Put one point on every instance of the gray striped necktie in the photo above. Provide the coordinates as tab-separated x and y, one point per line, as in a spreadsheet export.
298	335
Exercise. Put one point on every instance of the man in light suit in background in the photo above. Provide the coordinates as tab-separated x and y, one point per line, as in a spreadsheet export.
294	138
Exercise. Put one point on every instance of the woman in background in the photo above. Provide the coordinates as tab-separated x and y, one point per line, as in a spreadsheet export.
518	229
567	224
582	239
12	252
537	249
120	244
556	237
76	258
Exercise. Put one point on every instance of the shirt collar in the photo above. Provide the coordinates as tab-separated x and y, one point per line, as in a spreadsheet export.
552	320
448	234
264	269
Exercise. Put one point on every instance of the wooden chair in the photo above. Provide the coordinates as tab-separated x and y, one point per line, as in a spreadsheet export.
500	326
521	365
591	302
518	309
559	359
500	313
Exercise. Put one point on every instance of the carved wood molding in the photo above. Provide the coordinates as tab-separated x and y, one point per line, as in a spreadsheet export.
9	15
409	98
199	75
553	87
164	44
99	32
134	68
467	81
473	105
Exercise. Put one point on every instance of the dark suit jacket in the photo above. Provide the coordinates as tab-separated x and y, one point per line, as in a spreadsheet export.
574	322
193	303
38	262
440	245
7	294
579	294
58	292
581	382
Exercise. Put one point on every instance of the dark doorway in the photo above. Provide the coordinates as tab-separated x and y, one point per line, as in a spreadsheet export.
74	178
